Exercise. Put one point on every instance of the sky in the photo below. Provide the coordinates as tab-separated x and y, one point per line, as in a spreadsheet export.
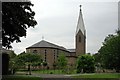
57	23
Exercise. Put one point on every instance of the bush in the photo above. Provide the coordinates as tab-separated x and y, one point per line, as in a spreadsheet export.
86	64
51	72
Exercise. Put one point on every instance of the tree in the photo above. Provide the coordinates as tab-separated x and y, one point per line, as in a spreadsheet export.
110	52
12	64
16	18
12	54
85	64
61	61
28	59
36	64
98	62
44	65
54	66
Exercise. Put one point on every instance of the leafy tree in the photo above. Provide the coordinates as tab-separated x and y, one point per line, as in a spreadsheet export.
12	54
28	59
54	66
12	64
37	64
98	62
62	61
110	52
97	57
16	18
44	65
85	64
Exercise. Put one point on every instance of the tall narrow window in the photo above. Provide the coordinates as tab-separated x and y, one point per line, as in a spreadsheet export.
54	55
79	39
45	55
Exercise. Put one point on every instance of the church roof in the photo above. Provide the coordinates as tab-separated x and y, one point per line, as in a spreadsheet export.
71	50
80	24
44	44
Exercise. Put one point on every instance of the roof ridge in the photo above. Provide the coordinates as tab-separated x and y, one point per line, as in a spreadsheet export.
44	43
53	44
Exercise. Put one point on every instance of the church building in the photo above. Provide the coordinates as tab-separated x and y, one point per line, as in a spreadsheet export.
50	51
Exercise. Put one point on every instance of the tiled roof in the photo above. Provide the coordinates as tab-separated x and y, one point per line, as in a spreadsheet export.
44	43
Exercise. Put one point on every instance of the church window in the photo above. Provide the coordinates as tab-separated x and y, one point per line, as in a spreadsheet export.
79	39
45	55
45	58
57	53
54	55
34	51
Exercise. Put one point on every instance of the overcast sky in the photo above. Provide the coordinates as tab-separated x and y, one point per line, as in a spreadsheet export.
57	22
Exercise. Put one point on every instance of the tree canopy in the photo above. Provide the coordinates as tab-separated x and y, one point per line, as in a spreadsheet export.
16	18
28	59
85	64
12	65
110	52
61	61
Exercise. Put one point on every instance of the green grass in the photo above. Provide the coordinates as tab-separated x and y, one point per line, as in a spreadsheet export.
53	72
25	77
41	72
49	72
99	75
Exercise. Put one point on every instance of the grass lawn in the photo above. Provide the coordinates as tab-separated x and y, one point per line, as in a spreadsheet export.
98	75
25	77
53	72
49	71
42	72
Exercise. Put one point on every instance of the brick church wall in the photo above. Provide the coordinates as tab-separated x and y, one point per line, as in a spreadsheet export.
51	54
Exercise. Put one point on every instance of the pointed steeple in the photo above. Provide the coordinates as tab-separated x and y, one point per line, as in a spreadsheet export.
80	36
80	24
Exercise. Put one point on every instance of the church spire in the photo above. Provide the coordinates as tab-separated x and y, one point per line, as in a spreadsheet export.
80	24
80	36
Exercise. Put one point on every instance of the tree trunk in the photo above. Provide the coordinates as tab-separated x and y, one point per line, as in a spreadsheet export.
29	70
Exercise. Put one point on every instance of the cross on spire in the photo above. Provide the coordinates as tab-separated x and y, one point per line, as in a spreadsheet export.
80	7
